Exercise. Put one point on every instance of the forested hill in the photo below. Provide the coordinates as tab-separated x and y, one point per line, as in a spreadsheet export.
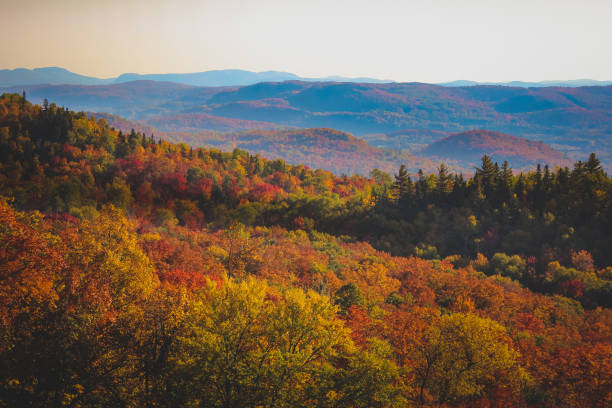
343	153
576	121
468	147
329	149
140	272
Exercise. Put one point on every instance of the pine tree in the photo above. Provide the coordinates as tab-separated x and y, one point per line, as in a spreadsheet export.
505	183
444	180
421	185
402	183
593	165
486	176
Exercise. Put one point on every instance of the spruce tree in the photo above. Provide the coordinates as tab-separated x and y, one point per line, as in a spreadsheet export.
402	182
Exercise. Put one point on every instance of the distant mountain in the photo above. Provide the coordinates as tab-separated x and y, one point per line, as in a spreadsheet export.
49	75
233	77
193	122
130	99
467	148
406	116
223	77
323	148
405	139
572	83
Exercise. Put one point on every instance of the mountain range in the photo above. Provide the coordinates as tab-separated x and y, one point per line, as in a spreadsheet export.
228	77
223	77
343	153
401	117
410	116
571	83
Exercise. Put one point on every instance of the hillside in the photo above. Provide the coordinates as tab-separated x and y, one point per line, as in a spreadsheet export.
130	99
575	121
406	139
322	148
193	122
138	266
138	272
343	153
469	147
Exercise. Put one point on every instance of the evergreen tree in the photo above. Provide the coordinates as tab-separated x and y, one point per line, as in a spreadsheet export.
402	183
444	181
593	165
486	176
505	183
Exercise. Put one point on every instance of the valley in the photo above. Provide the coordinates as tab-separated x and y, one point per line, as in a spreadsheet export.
404	117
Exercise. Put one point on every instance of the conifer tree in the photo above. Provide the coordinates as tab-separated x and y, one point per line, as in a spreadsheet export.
593	165
444	180
402	182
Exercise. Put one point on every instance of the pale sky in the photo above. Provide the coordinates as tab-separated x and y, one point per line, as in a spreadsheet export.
411	40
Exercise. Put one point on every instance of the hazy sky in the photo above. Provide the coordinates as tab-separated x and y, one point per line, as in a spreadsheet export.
411	40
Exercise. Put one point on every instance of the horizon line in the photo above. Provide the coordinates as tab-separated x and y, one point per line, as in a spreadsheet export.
329	77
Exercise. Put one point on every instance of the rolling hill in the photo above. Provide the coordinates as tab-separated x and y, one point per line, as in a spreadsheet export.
469	147
322	148
343	153
408	116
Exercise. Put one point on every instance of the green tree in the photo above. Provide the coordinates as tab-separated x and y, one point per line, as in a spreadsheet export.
444	182
347	296
512	266
402	183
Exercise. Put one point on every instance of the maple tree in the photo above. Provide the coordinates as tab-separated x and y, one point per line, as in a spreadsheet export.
136	272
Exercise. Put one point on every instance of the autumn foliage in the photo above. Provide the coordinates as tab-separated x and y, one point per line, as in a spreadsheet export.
141	273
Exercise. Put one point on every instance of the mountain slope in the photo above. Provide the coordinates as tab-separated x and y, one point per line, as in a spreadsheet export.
129	99
221	77
576	121
48	75
469	147
225	77
323	148
125	261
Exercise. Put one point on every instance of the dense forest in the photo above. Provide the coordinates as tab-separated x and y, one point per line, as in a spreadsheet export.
322	148
342	153
135	272
403	116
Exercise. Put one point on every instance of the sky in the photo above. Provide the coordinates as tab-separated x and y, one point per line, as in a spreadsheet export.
410	40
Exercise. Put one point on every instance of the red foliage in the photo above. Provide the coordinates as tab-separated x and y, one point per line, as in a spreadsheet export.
172	184
264	192
573	288
178	278
358	321
528	321
205	187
